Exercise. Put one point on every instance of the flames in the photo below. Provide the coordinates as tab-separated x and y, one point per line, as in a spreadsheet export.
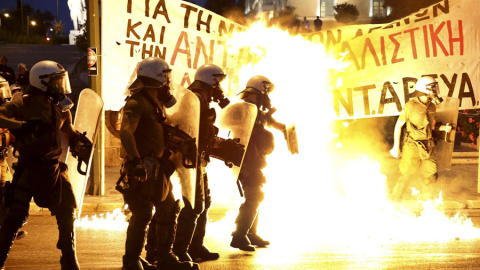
323	194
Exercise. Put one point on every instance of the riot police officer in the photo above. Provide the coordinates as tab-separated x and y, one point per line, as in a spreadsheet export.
261	144
192	222
418	152
148	168
37	120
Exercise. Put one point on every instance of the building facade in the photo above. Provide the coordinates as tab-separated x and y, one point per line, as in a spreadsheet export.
322	8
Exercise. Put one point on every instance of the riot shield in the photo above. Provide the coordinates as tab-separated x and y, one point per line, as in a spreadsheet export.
238	119
447	113
292	141
87	117
184	116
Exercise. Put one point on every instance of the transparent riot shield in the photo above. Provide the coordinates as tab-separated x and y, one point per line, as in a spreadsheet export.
292	141
238	120
184	117
447	113
87	117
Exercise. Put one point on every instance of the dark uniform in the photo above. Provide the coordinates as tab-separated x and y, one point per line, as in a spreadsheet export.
39	174
418	152
192	222
148	169
252	179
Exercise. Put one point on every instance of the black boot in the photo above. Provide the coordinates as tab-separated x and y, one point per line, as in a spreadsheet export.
8	231
241	242
66	240
134	244
187	222
150	247
7	236
165	230
254	238
197	251
244	220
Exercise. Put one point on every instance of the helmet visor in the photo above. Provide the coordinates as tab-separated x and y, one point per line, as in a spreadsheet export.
58	83
433	87
5	90
219	80
268	86
168	78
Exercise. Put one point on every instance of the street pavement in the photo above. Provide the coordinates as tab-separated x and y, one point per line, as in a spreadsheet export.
103	248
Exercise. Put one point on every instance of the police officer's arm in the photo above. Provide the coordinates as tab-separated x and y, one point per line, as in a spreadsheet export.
131	117
271	122
130	122
80	145
6	119
396	138
67	127
447	128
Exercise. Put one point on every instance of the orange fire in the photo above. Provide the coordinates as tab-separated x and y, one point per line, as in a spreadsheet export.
318	196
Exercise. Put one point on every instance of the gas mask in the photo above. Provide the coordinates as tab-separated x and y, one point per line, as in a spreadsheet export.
58	87
217	93
265	103
165	97
63	102
433	93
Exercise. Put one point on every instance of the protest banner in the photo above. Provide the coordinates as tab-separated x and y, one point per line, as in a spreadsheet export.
185	35
386	60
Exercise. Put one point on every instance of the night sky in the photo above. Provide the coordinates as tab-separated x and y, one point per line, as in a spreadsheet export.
51	5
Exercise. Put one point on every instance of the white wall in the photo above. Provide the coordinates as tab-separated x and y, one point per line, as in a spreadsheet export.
310	8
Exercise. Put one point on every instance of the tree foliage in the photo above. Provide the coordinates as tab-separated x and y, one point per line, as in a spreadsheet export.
15	21
346	13
81	41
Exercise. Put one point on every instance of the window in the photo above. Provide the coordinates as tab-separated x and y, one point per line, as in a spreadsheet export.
377	8
326	8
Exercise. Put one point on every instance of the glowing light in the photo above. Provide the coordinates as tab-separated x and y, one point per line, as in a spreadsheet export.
114	221
320	195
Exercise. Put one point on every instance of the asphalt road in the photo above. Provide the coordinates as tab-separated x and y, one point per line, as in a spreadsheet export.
103	249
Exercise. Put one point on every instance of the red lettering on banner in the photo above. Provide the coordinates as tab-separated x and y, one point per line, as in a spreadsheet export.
436	40
225	52
368	45
183	38
186	80
331	40
382	46
412	40
200	49
397	48
425	39
346	48
452	39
